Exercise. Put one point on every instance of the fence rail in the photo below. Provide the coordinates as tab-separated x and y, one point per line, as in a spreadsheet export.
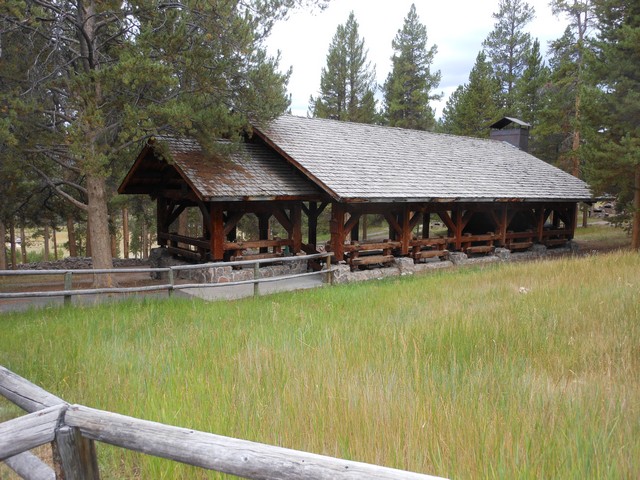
73	429
68	292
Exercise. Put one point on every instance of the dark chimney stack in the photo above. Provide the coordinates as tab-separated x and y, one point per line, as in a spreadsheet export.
517	133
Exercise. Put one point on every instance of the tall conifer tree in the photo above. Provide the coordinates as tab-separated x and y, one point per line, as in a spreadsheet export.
614	149
507	46
347	83
476	105
105	75
409	87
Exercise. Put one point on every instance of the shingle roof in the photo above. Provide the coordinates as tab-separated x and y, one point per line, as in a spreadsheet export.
242	171
354	161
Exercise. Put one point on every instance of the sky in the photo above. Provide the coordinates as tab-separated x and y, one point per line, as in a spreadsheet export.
457	27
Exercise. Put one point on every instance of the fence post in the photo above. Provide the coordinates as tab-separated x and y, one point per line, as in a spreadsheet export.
170	281
77	455
68	285
329	272
256	277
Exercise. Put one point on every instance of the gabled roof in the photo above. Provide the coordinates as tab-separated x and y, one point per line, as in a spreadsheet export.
245	171
359	162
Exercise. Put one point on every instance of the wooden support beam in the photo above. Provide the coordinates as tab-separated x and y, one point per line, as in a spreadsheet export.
426	224
263	229
216	227
312	222
352	223
457	233
283	218
231	224
540	218
394	225
446	219
336	226
405	234
296	227
415	219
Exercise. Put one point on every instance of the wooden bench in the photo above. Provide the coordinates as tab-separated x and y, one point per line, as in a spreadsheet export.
239	249
519	240
478	243
360	254
425	248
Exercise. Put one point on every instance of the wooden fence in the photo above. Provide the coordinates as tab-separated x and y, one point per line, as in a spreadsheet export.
171	273
74	429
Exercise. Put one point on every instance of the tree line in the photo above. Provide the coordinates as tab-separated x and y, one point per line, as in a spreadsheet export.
84	82
582	103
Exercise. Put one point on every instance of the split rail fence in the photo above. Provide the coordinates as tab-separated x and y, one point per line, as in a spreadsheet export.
171	272
74	430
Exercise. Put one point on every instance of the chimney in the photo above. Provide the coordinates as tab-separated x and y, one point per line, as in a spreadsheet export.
511	130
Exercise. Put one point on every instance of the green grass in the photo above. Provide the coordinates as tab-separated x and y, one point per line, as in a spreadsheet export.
456	373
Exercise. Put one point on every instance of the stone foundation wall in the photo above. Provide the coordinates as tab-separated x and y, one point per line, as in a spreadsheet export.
223	274
405	266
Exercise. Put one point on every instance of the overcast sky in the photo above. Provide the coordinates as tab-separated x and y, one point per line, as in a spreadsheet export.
457	27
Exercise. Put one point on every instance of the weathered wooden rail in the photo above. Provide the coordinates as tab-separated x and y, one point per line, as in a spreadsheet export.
74	429
68	292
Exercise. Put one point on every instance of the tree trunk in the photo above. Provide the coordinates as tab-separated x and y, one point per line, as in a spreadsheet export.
125	232
99	228
144	240
12	239
3	253
46	243
23	244
635	238
55	243
71	231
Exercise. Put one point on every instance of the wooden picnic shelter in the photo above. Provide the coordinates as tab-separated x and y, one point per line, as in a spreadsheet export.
486	193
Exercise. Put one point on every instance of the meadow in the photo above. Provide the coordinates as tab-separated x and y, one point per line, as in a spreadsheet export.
528	370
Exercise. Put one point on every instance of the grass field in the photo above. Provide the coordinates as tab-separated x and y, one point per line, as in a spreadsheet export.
508	371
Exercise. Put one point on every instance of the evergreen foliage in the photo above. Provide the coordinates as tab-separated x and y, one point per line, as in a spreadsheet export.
507	46
347	83
408	88
476	105
614	149
96	78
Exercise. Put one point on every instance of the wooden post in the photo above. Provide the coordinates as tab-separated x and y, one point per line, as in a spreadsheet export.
256	277
312	222
3	251
68	285
296	228
355	232
336	226
216	242
426	224
329	272
503	226
263	229
405	236
161	215
458	229
46	243
540	218
77	455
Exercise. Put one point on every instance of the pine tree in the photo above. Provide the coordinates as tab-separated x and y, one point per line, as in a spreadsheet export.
476	105
106	75
530	87
408	88
614	150
572	90
347	83
507	46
